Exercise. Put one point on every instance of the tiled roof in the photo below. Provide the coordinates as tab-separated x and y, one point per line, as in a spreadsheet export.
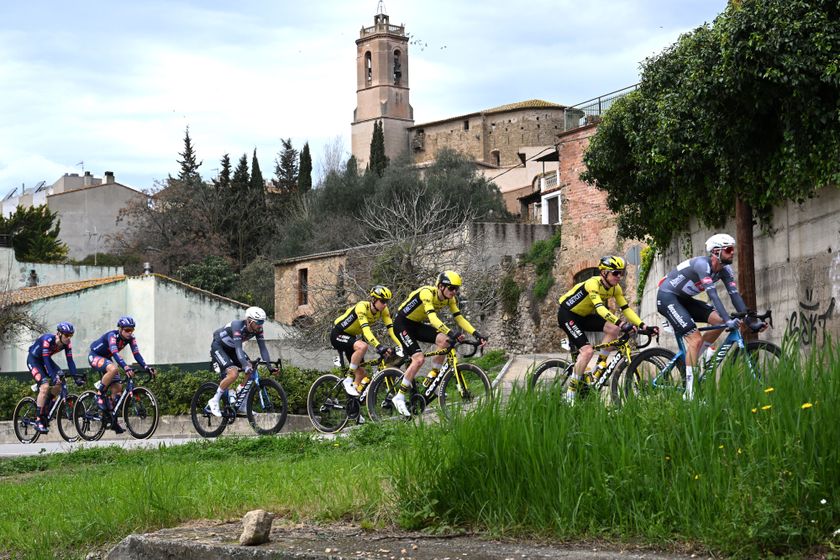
530	104
28	295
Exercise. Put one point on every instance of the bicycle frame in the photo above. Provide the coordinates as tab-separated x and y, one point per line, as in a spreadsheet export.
430	392
238	397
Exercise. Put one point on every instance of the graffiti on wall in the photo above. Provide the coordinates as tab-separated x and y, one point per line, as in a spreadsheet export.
808	324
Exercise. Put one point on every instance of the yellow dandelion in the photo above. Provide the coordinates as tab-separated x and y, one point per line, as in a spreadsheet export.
667	457
754	410
769	390
720	446
767	407
806	405
696	477
739	451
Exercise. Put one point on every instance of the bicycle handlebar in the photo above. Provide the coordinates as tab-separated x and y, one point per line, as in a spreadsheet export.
768	315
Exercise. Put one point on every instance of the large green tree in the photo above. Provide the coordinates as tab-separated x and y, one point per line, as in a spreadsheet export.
740	114
286	170
34	232
378	159
305	171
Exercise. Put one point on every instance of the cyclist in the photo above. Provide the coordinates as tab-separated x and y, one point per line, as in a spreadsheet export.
412	327
47	373
584	308
675	300
228	355
105	358
356	321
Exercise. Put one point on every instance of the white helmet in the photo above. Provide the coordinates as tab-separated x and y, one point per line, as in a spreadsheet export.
255	314
719	241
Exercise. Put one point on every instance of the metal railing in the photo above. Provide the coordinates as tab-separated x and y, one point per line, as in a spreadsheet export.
590	111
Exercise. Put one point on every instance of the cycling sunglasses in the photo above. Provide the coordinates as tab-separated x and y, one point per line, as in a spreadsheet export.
618	273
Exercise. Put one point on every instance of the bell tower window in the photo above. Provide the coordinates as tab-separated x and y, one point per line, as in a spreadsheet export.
397	67
368	68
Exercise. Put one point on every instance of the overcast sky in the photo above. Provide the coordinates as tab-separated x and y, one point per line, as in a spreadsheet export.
114	84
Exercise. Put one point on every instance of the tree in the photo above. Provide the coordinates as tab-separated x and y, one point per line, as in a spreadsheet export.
305	172
286	169
213	274
34	232
742	114
378	159
256	192
189	162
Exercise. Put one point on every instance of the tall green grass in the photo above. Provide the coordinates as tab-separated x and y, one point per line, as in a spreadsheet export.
747	468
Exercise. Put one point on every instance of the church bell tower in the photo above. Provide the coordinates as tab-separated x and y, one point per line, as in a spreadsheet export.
381	88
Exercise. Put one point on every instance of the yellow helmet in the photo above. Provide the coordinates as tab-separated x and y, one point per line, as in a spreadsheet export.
380	292
449	278
611	262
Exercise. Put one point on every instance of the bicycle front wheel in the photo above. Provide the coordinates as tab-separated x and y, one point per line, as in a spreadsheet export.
761	357
651	370
88	417
267	407
203	421
383	388
464	391
551	373
140	412
326	404
64	419
24	418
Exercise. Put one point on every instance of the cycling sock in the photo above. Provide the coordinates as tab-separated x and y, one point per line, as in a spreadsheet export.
405	386
219	393
352	366
689	382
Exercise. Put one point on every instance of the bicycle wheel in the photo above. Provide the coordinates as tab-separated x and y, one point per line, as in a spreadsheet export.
23	419
383	388
459	398
551	373
646	374
140	412
64	419
326	404
88	418
760	358
203	421
267	407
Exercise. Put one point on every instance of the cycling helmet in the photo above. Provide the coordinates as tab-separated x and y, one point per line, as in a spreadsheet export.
125	322
380	292
255	314
611	262
65	328
719	241
449	278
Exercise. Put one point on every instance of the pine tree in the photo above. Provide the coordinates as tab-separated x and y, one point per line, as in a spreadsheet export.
305	175
188	162
256	187
378	159
286	169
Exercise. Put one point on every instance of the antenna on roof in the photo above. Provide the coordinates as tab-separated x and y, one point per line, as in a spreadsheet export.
82	165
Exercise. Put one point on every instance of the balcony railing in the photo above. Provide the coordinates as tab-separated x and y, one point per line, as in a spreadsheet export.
590	111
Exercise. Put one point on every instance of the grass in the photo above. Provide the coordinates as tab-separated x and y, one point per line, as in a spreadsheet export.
746	470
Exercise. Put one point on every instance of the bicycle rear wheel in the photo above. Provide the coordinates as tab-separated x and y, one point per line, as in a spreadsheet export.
23	420
326	404
64	419
760	358
267	407
203	421
88	418
460	396
383	388
140	412
551	373
647	373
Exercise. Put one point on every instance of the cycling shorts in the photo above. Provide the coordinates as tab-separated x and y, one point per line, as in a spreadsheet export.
411	332
682	312
223	357
343	342
39	371
575	325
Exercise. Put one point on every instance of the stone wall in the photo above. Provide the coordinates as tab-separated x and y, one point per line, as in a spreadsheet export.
322	272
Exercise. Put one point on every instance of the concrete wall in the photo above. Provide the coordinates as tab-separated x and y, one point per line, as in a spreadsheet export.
15	274
797	269
89	215
174	323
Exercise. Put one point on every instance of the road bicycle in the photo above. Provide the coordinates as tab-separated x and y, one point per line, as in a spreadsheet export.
329	406
659	369
264	399
460	388
61	410
137	406
557	372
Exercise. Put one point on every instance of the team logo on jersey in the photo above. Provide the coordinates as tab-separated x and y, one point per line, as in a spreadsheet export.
572	301
676	281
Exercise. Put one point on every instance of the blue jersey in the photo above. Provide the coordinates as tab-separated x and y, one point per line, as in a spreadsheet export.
234	334
109	345
44	347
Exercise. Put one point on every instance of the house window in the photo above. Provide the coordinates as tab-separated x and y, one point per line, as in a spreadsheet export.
585	274
553	210
303	286
466	124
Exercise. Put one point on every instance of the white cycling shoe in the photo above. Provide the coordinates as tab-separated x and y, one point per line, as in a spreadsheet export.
399	403
350	387
213	405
